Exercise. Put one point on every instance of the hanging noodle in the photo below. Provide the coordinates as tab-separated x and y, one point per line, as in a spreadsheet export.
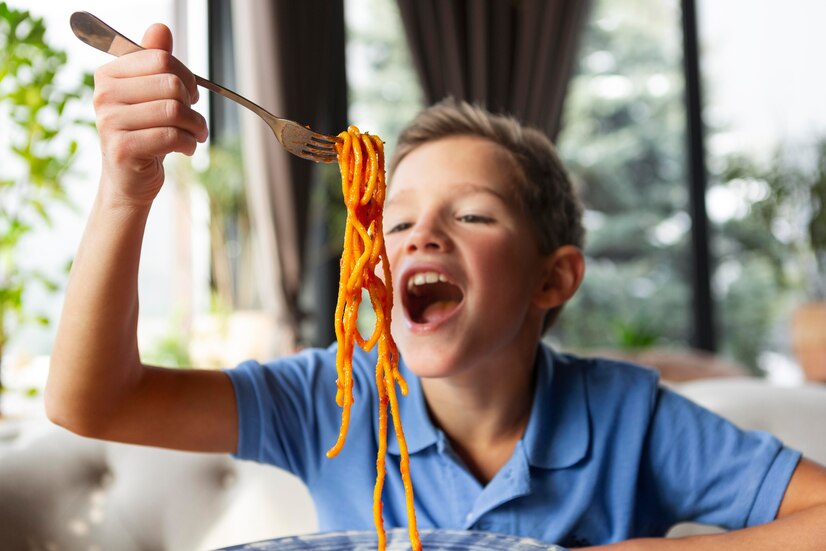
361	161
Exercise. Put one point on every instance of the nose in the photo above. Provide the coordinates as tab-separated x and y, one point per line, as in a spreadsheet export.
427	235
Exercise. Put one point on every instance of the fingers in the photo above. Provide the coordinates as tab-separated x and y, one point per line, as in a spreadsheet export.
154	114
143	102
130	149
140	103
147	95
148	88
148	63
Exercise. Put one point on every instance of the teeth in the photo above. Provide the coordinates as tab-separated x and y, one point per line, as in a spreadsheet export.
425	277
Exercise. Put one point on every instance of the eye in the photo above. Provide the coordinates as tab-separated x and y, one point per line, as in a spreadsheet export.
474	219
401	226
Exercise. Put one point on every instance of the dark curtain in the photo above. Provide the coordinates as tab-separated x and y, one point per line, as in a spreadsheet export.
512	56
310	42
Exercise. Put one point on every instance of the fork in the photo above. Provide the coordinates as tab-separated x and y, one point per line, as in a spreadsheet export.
295	138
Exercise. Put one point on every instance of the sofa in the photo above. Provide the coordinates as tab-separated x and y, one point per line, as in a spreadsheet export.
59	491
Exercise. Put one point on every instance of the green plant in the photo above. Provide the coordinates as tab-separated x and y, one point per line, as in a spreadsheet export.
36	153
635	335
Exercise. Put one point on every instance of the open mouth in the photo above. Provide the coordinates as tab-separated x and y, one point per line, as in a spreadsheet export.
430	297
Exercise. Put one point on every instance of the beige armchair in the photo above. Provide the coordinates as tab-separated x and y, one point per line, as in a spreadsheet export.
59	491
793	414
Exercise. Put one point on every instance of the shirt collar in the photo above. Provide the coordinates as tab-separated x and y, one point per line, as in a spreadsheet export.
558	433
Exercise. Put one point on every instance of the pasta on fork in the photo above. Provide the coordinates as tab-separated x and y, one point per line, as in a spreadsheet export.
361	162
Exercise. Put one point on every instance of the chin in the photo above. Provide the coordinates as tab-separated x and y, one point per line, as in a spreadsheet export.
426	362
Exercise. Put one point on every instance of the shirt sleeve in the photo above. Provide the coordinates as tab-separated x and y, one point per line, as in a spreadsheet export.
282	408
702	468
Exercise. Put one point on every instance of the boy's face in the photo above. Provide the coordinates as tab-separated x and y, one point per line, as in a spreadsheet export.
466	266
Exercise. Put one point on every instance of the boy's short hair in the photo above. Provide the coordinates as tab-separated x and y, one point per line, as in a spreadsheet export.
546	193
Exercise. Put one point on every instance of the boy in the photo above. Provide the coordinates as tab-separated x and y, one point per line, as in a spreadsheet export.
483	235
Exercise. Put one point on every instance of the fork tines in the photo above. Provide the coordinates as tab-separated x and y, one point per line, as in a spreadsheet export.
322	147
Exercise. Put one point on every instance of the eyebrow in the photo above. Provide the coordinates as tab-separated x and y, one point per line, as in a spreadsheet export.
464	188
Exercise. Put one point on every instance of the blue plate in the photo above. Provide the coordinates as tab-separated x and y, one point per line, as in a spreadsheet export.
398	540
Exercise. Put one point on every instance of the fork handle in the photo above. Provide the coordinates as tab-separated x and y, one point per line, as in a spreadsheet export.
101	36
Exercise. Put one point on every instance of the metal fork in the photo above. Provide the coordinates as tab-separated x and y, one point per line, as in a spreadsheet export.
295	138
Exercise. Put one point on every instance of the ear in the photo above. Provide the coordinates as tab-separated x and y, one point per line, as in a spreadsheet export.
564	270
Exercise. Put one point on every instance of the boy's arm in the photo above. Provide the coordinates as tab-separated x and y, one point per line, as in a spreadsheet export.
800	522
97	384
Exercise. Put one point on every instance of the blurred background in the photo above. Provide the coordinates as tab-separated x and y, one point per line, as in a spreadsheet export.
695	131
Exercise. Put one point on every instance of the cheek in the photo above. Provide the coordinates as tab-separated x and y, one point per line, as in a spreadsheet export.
392	246
507	269
499	252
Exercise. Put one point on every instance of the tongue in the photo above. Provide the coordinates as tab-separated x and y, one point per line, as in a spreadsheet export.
438	311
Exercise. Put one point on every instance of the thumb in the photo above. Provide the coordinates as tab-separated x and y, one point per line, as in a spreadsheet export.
159	37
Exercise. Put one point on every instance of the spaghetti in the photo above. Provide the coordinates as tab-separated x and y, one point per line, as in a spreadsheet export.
361	162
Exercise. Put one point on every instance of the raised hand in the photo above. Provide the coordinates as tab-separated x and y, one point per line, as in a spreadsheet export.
143	103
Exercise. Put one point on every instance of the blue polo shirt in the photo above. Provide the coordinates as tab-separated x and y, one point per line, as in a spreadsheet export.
608	454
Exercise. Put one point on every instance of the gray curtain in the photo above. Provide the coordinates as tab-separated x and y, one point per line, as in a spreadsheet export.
512	56
290	59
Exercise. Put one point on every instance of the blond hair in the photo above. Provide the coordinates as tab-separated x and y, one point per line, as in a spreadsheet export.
545	191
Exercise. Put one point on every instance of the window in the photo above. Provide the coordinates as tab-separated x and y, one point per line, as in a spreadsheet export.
623	138
384	92
765	117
